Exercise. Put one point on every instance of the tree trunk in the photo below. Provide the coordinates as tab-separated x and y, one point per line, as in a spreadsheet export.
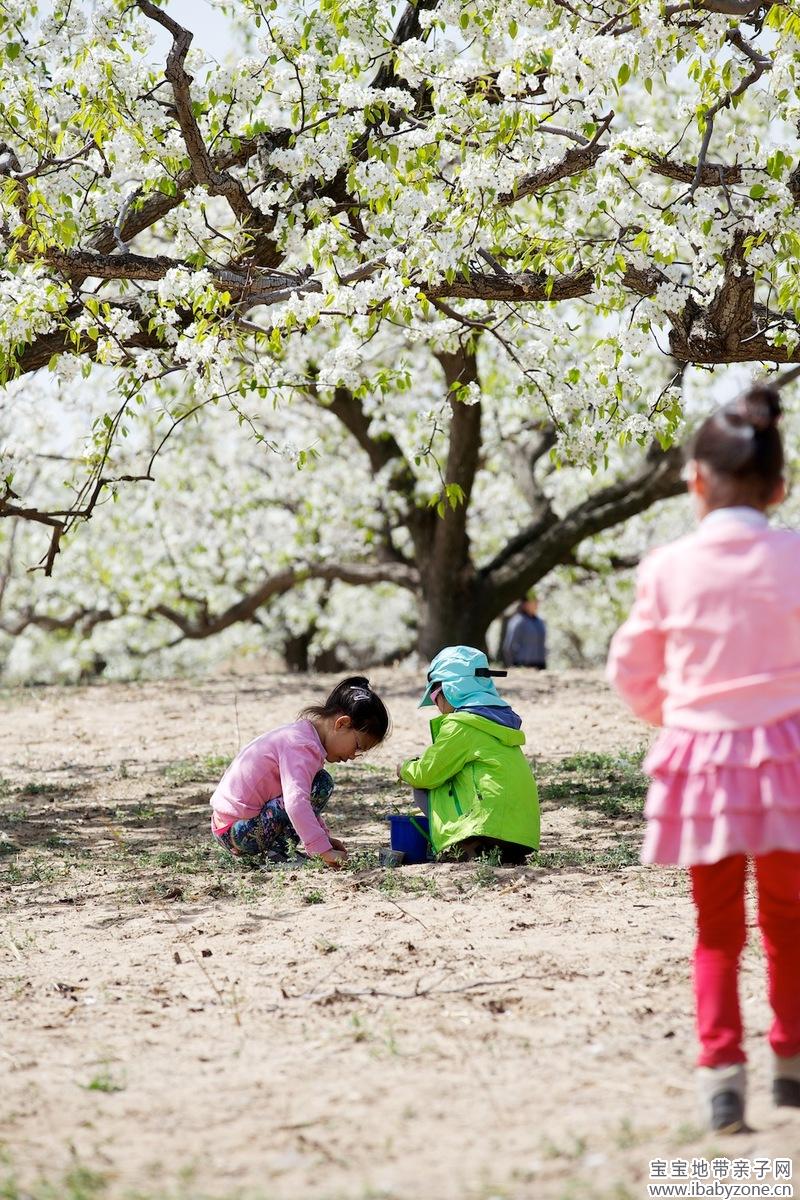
450	618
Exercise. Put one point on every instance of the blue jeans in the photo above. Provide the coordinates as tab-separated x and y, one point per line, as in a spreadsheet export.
270	834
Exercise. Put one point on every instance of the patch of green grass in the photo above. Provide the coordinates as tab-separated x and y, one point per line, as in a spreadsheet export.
197	770
609	858
137	814
394	881
190	859
314	896
612	784
572	1150
56	841
32	788
32	869
362	860
485	867
78	1184
104	1081
15	815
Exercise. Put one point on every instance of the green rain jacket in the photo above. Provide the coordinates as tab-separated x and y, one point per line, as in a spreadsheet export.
479	782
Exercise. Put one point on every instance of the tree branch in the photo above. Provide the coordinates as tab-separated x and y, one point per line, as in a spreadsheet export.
548	543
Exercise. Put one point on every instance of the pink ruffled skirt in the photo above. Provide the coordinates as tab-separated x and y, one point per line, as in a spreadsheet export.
711	795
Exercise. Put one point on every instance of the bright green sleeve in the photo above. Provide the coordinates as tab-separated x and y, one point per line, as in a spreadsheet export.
442	760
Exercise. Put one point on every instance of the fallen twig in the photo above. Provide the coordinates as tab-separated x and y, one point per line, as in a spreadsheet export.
432	989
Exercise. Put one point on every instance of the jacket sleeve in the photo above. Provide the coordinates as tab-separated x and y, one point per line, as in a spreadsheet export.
636	656
509	648
297	775
441	761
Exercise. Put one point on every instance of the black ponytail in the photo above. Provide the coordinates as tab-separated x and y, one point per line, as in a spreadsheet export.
742	445
354	698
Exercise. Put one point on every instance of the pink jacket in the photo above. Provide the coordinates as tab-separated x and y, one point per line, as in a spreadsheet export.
280	763
713	639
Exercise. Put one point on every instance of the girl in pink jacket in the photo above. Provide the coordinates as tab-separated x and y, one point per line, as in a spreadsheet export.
711	653
272	795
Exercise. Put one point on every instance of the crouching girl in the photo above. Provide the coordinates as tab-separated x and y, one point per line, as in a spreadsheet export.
273	794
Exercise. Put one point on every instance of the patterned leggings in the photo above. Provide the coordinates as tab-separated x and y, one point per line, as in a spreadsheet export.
270	835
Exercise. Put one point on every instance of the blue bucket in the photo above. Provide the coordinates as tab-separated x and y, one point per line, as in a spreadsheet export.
411	836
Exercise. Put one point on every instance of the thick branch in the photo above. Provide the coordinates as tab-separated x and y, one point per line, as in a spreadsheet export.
408	27
535	286
203	624
203	167
382	450
543	546
84	619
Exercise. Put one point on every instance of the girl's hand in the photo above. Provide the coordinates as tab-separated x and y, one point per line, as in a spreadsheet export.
337	845
334	858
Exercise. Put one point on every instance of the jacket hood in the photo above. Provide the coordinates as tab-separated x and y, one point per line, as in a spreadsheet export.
501	733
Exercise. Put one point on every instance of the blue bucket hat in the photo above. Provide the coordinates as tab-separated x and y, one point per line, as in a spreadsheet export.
463	674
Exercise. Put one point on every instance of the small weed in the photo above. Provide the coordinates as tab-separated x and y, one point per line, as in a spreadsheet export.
485	866
390	883
572	1151
362	860
627	1136
138	815
104	1081
686	1133
325	947
56	841
314	896
16	815
35	789
360	1031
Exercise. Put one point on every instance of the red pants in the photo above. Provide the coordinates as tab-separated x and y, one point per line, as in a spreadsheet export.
718	891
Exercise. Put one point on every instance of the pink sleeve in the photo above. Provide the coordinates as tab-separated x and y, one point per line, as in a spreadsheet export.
298	767
636	656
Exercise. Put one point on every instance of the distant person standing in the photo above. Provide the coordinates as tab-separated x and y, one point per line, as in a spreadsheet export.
524	641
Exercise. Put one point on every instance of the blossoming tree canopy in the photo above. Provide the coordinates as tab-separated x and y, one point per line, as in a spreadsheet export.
453	169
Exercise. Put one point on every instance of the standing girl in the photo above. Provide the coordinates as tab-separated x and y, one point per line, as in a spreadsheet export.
711	652
272	795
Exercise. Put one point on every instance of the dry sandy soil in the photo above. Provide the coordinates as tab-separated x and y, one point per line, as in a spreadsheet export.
178	1027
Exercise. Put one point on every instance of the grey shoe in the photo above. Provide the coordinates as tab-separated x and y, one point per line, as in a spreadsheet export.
786	1081
786	1092
727	1112
722	1093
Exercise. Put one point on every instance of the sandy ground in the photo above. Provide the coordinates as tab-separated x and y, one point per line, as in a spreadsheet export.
175	1027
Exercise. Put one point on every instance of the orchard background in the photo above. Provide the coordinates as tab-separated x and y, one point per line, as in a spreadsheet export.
348	337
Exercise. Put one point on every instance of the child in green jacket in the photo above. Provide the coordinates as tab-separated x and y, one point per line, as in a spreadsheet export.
481	793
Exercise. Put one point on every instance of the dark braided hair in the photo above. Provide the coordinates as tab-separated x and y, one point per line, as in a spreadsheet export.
354	698
742	445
